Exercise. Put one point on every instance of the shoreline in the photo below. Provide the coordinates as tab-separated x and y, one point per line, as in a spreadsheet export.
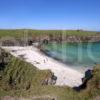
75	67
66	76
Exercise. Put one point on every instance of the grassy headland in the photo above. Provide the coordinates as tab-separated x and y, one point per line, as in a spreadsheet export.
21	35
20	32
20	78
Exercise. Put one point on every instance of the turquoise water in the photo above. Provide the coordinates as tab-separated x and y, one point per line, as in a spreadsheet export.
75	54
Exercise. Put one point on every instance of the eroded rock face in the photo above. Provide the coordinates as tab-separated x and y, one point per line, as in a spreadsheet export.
50	80
11	41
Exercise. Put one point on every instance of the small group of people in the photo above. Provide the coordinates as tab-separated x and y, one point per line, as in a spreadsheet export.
46	59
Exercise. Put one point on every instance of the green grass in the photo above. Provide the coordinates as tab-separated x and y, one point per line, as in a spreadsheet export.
20	32
25	74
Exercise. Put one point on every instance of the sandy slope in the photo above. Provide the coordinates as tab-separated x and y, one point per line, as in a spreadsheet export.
65	74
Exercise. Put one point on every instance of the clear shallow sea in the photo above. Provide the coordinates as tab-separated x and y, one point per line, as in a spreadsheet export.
75	54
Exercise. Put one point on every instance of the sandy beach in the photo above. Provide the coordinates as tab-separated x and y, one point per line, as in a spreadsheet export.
65	74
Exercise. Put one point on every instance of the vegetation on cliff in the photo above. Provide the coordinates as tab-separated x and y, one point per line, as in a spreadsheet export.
20	78
25	36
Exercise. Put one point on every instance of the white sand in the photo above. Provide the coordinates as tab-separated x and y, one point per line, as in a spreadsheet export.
65	74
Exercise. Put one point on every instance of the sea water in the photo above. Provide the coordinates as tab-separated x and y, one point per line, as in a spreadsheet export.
75	54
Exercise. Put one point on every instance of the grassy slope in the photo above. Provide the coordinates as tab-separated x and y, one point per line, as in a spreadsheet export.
25	74
19	33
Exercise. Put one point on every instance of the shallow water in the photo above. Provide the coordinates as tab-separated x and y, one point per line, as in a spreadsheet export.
75	54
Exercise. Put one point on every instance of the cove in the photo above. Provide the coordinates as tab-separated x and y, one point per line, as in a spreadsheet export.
82	55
